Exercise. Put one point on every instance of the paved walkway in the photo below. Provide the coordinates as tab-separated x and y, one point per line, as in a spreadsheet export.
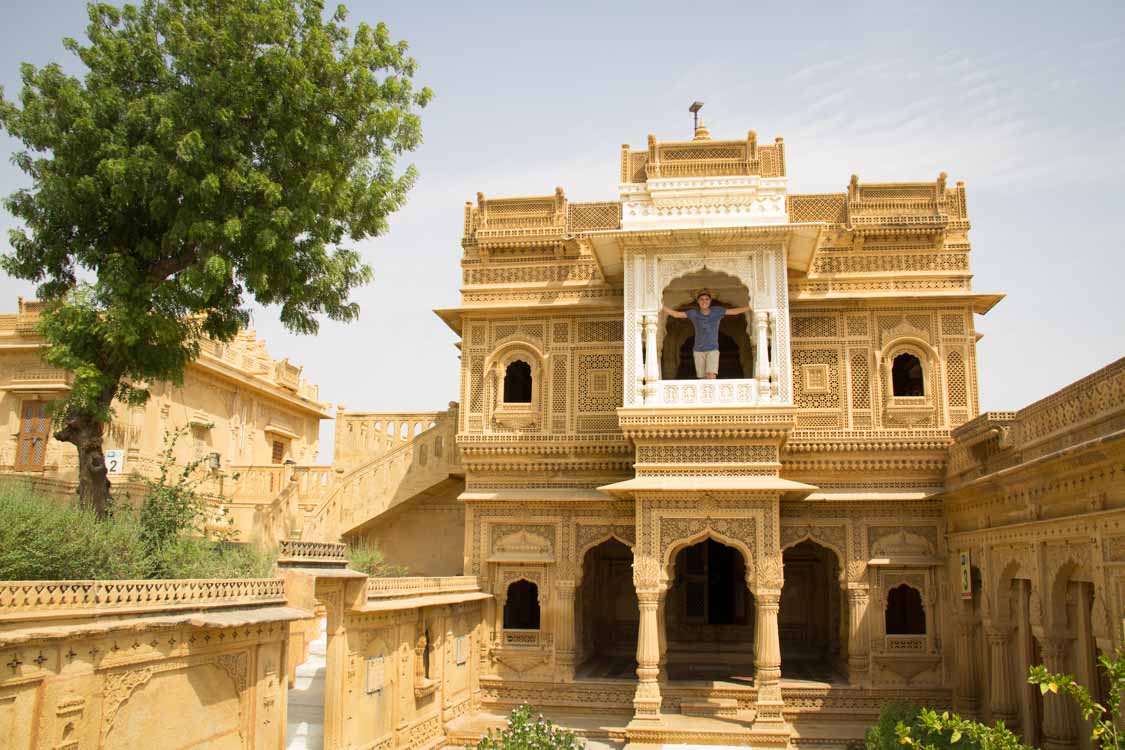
305	728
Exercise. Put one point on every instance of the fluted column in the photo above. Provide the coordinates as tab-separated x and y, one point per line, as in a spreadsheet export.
1002	691
967	697
564	629
652	359
1060	730
767	656
646	701
857	634
775	369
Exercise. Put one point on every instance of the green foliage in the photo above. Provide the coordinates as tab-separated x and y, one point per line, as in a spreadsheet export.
367	558
525	733
932	730
165	537
172	507
214	153
1106	718
42	539
882	736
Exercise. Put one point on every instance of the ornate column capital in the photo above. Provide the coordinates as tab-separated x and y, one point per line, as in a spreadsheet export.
768	599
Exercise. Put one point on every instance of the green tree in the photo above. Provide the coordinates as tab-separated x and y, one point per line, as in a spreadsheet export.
214	153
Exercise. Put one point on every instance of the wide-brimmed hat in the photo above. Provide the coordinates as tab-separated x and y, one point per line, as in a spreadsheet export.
701	292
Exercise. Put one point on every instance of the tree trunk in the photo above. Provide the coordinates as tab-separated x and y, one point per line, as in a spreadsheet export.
85	432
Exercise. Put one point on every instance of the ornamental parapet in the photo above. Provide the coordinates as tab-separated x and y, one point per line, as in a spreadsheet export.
1086	411
400	588
39	600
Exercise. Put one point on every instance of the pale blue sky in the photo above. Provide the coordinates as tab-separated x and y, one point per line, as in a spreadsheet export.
1023	101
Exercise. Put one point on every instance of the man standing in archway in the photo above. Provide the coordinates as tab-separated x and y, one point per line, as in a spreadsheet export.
706	321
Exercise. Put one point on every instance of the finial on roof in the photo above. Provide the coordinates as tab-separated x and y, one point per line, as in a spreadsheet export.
701	132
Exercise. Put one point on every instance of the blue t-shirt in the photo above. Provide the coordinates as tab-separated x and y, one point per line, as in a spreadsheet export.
706	328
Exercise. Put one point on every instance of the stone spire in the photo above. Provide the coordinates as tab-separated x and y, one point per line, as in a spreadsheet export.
701	132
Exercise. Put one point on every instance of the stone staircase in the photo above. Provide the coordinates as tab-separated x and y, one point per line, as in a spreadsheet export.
387	480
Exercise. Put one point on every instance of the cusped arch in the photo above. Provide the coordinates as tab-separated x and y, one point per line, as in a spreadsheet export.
510	350
681	543
810	536
1067	569
735	268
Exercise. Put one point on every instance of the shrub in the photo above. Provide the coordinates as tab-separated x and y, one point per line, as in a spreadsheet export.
366	557
524	733
882	736
44	539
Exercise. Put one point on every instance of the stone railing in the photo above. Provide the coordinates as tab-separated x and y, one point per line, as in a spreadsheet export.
376	486
905	644
297	551
256	483
397	588
362	436
39	600
521	638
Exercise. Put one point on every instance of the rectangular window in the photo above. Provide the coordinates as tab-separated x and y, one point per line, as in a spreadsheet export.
278	451
35	430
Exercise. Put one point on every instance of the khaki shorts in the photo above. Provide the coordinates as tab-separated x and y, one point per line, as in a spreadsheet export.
706	363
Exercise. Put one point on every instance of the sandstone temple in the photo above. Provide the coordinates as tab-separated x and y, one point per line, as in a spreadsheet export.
762	559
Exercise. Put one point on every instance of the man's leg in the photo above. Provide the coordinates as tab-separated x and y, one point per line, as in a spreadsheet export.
700	364
712	364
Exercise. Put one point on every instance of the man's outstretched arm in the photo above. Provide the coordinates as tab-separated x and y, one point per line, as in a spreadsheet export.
676	313
737	310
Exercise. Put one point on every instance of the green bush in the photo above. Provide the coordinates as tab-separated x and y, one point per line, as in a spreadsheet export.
525	733
367	558
883	736
45	539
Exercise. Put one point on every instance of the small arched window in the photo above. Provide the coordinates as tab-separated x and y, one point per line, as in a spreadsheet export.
517	383
905	615
906	376
521	609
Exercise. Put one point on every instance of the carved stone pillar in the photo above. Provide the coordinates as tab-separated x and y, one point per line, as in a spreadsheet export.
857	634
767	656
639	366
646	701
775	369
564	630
762	366
652	359
1002	691
967	697
662	631
1060	730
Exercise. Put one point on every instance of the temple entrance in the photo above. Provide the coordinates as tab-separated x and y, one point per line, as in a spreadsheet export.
709	616
607	614
812	621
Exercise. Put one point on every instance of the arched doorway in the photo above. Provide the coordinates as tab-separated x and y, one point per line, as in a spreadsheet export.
709	615
607	613
812	617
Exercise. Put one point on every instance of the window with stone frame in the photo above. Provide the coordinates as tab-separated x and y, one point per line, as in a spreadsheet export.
517	383
905	614
521	607
907	376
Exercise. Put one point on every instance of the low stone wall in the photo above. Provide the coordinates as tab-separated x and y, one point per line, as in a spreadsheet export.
128	664
403	655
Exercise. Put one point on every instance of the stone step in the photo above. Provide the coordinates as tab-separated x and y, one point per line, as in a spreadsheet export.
718	707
